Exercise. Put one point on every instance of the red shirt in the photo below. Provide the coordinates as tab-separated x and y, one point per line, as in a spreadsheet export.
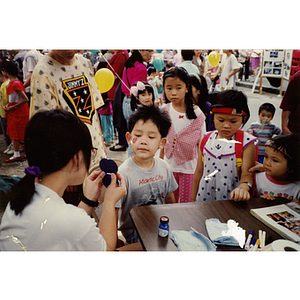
117	62
291	102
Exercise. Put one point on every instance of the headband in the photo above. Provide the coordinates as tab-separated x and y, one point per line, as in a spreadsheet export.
227	110
198	77
135	89
270	143
182	69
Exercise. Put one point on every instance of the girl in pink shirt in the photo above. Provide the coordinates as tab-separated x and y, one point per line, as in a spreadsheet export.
188	126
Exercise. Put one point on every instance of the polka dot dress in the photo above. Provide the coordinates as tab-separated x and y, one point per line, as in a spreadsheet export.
220	175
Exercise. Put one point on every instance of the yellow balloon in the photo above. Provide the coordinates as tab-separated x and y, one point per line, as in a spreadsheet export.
214	58
105	79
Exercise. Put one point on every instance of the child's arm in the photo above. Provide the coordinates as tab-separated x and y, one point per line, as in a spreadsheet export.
197	175
24	100
241	193
170	198
217	73
267	197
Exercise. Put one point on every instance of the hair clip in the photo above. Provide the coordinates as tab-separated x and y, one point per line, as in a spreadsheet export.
139	87
33	170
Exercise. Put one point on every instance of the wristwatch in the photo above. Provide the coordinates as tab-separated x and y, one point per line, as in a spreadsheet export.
249	184
89	202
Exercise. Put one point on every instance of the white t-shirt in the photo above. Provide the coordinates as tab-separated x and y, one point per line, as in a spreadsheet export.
228	65
48	223
266	185
30	60
187	167
144	187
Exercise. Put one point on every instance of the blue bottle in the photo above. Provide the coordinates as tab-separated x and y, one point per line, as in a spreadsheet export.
163	228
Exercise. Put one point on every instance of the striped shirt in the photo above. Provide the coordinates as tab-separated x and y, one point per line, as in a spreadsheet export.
263	134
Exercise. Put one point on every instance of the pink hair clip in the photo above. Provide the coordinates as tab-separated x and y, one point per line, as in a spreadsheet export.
135	89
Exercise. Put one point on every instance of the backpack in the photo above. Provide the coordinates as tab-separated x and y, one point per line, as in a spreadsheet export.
239	137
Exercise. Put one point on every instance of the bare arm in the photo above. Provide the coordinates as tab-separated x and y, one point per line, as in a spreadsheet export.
170	198
93	186
24	100
285	114
241	193
231	74
197	175
28	81
108	224
217	73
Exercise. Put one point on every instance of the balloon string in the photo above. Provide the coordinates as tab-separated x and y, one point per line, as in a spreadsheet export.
115	71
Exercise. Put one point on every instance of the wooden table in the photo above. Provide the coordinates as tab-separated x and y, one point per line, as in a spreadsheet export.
184	216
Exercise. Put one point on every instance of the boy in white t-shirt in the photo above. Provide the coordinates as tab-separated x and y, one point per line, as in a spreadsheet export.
149	180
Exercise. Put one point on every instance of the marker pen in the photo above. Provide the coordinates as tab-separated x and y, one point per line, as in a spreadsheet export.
262	243
260	236
252	244
256	245
247	244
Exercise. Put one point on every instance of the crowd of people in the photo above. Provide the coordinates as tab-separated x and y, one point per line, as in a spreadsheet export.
182	147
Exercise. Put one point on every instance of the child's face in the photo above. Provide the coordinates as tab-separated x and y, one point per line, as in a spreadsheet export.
145	98
145	139
195	94
265	115
275	164
227	125
175	90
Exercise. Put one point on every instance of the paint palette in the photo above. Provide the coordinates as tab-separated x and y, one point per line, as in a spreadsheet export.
108	166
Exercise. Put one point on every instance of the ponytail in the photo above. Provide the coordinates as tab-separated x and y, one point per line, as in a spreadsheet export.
21	193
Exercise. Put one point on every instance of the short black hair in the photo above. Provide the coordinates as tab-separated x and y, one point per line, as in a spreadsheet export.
233	99
269	107
9	66
151	70
169	65
187	54
160	118
289	146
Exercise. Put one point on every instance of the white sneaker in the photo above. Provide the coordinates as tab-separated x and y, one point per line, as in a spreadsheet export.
9	149
21	148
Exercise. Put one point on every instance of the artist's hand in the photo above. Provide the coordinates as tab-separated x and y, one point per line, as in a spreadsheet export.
114	191
240	194
257	168
93	185
267	197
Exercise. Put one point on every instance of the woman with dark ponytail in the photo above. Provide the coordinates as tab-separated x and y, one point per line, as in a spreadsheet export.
58	147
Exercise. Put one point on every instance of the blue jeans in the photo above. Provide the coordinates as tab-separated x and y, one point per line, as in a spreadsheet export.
107	127
133	238
4	127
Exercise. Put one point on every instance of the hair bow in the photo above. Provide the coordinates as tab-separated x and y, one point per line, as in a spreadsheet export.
139	87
